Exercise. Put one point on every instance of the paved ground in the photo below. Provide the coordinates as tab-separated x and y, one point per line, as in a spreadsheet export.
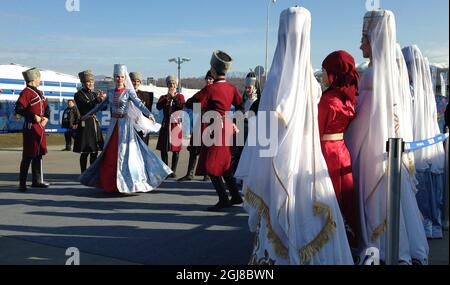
168	226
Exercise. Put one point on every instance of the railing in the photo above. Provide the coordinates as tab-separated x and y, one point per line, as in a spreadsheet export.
395	148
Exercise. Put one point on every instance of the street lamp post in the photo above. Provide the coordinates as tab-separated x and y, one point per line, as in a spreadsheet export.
267	37
179	61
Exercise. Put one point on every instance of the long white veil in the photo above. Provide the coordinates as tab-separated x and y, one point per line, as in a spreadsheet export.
425	111
405	112
140	122
291	192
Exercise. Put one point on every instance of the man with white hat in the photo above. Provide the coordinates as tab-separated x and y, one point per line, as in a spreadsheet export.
215	160
33	106
146	97
171	135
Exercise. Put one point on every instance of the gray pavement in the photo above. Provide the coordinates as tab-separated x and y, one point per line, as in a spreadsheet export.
167	226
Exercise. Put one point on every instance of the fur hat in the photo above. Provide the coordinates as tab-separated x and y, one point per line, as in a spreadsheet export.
250	81
171	78
86	75
136	76
221	62
31	74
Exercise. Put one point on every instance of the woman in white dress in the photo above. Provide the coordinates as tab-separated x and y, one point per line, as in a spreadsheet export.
378	119
289	196
126	164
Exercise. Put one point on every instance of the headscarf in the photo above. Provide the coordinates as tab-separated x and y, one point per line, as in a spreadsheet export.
342	74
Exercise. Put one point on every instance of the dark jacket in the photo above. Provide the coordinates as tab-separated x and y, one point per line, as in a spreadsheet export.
146	98
70	117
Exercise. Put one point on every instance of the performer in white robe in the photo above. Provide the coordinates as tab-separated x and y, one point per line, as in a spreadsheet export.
405	109
375	123
429	160
289	196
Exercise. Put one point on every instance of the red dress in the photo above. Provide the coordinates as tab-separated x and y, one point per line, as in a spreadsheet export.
215	160
108	166
34	142
334	118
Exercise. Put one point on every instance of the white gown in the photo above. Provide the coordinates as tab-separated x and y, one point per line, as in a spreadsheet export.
289	195
372	201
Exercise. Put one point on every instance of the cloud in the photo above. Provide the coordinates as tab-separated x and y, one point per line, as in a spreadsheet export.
437	54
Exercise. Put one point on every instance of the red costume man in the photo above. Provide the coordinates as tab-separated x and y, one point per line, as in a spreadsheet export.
336	111
33	106
171	135
215	160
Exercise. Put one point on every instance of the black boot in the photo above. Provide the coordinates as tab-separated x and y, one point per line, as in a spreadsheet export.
165	157
24	165
92	157
175	156
224	202
38	176
236	198
83	162
191	165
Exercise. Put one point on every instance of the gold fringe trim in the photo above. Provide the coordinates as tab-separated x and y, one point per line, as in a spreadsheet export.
329	229
379	231
411	171
263	211
309	250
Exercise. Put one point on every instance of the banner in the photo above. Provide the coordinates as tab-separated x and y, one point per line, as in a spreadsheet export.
12	123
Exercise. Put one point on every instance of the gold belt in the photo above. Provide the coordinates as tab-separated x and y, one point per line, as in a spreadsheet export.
118	116
333	137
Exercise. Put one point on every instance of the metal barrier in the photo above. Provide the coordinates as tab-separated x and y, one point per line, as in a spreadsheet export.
395	148
395	152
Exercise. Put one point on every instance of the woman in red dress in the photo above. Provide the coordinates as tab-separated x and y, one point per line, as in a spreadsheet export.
336	111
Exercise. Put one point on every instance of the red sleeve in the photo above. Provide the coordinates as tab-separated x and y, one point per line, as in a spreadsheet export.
182	100
323	115
24	99
202	97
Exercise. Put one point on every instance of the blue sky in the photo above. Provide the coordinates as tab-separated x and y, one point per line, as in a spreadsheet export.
144	34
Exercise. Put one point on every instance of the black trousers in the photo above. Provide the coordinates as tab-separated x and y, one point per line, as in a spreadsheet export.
36	170
165	159
83	160
191	164
68	135
230	182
